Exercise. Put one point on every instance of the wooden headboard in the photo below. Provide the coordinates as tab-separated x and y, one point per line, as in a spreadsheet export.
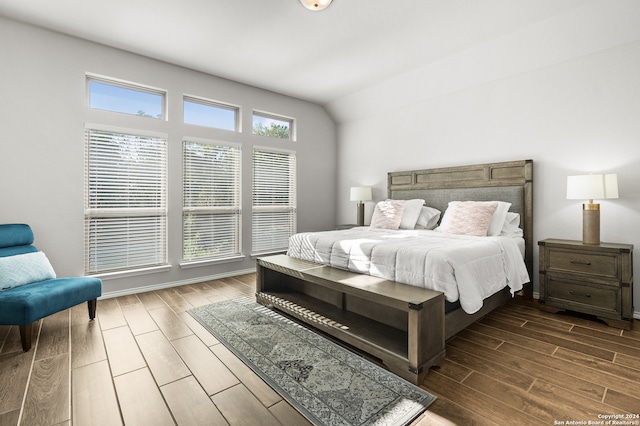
507	181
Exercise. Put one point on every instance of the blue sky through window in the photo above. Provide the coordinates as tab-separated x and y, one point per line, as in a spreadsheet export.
121	99
202	114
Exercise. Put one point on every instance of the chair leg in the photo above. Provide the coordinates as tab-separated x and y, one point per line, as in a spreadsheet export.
25	336
92	304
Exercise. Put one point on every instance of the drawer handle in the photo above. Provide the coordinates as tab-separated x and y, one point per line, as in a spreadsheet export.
580	294
579	262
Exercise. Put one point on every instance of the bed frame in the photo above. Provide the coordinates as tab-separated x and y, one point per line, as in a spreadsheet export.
403	326
507	181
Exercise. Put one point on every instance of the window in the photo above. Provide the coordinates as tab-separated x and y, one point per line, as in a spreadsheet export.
274	200
125	201
265	124
211	206
126	98
210	114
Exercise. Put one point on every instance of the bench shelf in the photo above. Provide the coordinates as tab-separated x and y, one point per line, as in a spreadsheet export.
401	325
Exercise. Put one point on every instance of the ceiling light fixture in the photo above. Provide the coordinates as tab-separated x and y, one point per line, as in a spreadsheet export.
316	5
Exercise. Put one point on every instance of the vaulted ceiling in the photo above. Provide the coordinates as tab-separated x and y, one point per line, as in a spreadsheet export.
280	46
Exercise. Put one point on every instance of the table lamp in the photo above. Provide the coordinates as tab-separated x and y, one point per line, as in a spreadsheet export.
591	187
360	194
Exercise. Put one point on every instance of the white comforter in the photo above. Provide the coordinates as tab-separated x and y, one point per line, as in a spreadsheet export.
464	268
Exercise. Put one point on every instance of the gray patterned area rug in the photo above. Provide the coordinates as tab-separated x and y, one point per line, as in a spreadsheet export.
325	382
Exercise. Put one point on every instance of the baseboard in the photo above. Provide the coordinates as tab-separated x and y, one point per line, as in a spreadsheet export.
129	291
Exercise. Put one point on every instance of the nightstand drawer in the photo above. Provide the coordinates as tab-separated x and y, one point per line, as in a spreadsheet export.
592	297
587	278
586	263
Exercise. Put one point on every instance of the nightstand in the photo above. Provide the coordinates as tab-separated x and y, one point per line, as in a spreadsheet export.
592	279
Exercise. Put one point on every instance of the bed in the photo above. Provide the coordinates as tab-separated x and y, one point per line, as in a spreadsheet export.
388	314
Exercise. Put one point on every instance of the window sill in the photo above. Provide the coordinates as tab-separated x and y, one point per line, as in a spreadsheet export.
267	253
132	272
208	262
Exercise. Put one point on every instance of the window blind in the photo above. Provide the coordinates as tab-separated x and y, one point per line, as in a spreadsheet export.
274	200
125	201
211	204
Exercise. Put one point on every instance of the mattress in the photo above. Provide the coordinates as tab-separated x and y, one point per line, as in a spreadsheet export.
466	269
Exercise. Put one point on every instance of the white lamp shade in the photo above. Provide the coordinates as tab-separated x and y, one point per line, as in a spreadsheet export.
592	187
361	193
611	185
316	4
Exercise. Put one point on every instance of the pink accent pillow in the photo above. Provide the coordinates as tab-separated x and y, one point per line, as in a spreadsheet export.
468	218
388	214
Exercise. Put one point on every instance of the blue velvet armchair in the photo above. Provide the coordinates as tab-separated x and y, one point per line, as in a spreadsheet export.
29	289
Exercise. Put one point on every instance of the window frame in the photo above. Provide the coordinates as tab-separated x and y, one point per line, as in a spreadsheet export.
271	116
94	214
130	86
235	209
215	104
257	248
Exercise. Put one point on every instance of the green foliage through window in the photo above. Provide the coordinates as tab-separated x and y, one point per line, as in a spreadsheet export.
265	125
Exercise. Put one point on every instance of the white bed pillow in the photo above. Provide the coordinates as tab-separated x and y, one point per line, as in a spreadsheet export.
22	269
388	214
468	218
412	209
511	227
499	217
428	218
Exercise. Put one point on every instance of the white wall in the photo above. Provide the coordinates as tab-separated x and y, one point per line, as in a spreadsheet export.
564	92
43	114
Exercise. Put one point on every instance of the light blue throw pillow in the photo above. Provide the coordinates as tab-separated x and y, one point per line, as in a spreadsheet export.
24	269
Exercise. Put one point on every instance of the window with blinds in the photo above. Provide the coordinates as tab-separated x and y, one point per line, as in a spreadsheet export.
125	201
274	200
211	207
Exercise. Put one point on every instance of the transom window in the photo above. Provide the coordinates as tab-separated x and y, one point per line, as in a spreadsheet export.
265	124
210	114
126	98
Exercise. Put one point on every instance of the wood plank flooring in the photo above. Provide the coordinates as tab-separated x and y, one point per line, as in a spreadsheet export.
144	361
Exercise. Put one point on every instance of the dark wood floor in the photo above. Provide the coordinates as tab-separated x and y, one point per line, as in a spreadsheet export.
145	361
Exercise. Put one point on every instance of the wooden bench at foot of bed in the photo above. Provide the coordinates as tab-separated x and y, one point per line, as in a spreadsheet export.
402	325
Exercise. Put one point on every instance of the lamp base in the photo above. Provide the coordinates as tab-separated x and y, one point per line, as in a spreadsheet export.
591	224
360	207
